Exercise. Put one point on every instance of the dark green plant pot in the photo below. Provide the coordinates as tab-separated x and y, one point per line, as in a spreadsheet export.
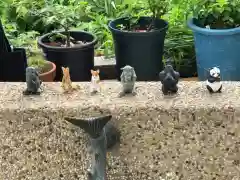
141	50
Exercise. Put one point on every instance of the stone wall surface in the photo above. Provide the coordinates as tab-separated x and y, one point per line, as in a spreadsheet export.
193	134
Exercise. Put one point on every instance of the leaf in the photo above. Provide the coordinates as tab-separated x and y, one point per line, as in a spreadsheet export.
51	19
22	11
113	4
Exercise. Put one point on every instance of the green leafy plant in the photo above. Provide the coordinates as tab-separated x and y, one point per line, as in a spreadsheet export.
35	58
217	14
154	8
65	16
23	13
179	45
132	10
158	9
179	42
98	26
25	40
105	7
38	62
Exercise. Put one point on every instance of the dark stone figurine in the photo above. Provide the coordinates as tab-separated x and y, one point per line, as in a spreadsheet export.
169	79
214	84
103	136
128	79
33	82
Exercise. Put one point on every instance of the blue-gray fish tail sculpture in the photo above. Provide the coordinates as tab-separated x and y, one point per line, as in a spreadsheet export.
103	135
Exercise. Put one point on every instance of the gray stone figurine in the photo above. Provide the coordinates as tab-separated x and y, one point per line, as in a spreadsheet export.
33	82
103	136
128	79
169	79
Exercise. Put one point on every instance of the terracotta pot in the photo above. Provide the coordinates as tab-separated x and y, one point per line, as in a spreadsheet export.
50	75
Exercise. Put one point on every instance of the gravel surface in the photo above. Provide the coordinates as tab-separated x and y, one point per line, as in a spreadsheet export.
189	136
148	94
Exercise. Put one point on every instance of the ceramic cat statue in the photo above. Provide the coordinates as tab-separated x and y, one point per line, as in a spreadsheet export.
67	84
95	81
33	82
128	79
103	136
169	79
214	84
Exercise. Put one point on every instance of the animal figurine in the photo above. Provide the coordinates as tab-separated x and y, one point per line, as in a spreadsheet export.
214	84
66	81
128	79
169	79
33	82
95	81
103	137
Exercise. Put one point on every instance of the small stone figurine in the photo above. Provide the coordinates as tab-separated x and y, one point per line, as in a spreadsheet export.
214	84
33	82
128	79
67	84
95	81
169	79
103	136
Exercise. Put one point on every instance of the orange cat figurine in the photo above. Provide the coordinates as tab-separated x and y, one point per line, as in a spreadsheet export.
95	87
66	81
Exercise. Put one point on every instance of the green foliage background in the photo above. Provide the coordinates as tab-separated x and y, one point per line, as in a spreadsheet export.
24	20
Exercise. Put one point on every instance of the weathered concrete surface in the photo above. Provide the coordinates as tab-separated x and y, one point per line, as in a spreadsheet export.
193	135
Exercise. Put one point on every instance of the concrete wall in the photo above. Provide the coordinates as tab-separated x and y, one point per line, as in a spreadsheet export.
193	135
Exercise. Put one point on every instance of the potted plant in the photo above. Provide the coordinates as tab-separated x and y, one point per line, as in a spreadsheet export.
73	49
216	28
139	41
46	69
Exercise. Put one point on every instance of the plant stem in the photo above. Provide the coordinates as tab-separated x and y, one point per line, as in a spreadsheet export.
151	24
68	37
67	34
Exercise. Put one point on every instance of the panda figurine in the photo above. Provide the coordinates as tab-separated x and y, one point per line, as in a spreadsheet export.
214	84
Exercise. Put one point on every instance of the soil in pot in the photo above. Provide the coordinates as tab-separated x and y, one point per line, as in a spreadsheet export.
139	47
59	40
142	24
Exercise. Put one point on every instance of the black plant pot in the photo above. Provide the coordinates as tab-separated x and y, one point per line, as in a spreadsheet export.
79	59
13	65
142	50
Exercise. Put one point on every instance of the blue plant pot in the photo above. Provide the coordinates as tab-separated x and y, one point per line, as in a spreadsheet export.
219	48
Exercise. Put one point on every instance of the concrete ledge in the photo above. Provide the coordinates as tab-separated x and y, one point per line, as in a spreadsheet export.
193	135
